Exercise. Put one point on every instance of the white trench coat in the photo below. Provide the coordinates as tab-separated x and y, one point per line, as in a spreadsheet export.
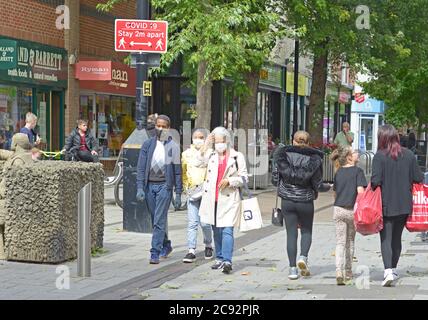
229	201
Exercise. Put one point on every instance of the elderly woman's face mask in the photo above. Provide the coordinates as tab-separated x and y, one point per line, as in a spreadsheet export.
220	144
198	140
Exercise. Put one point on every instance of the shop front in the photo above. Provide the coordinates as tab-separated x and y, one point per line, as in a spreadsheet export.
33	78
107	101
337	111
366	117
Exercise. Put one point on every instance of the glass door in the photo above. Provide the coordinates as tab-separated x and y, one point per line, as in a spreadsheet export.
366	133
42	110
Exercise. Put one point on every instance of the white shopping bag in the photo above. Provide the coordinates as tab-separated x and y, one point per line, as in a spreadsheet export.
251	216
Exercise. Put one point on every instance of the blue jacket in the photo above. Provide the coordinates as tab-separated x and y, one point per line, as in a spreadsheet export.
173	164
32	135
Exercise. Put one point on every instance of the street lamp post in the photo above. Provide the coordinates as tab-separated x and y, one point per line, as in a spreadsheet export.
296	86
142	102
136	216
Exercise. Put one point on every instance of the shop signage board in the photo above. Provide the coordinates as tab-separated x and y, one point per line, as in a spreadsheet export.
368	106
302	84
360	97
94	70
141	35
8	54
122	81
35	64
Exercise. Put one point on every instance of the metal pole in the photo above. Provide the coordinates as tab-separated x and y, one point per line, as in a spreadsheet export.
142	102
296	86
84	231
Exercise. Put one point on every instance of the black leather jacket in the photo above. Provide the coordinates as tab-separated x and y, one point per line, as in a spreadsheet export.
300	173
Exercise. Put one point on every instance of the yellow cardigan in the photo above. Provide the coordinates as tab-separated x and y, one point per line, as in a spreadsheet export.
193	169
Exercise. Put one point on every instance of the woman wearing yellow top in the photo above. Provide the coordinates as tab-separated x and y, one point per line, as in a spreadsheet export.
194	171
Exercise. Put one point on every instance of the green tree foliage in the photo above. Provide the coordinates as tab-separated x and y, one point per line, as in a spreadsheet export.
329	31
399	62
231	38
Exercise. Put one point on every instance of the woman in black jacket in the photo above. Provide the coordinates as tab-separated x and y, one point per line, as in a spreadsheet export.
394	170
298	170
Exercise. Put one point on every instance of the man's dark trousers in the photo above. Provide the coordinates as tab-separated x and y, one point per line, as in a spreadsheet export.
159	198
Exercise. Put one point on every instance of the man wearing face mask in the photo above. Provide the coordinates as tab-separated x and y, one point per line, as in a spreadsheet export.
158	173
194	171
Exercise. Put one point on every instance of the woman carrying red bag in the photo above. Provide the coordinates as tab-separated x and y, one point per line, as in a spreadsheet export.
394	170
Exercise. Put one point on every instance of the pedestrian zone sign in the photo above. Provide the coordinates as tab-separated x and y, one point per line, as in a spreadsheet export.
147	89
141	35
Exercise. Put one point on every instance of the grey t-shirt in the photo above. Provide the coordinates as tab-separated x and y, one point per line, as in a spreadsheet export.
346	182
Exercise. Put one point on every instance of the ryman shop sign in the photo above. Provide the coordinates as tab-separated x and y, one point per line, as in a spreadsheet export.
32	63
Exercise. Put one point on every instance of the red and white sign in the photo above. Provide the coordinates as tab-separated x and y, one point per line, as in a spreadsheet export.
122	81
141	35
360	97
93	70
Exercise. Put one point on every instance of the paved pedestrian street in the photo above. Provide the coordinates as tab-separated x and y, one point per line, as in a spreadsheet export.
260	267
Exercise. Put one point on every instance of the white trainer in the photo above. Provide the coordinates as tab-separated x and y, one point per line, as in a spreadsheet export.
388	278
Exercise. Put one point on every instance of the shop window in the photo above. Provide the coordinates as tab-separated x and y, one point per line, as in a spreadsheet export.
86	110
115	123
14	104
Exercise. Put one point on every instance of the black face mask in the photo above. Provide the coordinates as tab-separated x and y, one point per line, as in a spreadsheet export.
162	134
150	126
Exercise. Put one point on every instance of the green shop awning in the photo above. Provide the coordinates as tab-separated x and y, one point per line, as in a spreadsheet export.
32	63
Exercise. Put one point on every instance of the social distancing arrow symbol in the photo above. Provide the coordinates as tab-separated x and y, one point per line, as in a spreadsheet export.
140	44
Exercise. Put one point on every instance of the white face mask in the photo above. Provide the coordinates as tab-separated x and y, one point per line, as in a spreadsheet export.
198	142
220	147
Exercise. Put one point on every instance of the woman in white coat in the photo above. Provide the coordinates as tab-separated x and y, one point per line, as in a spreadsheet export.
221	202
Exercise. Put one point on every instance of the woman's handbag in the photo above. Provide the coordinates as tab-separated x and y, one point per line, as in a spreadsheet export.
195	193
277	217
418	219
251	216
368	217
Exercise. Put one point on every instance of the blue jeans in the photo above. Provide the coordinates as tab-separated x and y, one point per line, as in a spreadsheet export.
223	239
193	222
158	198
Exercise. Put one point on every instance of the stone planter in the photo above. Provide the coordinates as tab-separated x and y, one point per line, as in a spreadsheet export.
41	210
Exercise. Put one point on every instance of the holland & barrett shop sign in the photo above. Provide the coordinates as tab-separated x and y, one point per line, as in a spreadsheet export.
8	56
32	63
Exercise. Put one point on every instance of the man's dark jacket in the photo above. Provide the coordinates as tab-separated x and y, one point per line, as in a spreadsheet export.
73	141
172	167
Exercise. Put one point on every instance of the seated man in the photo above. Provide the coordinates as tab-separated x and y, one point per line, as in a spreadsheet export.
81	143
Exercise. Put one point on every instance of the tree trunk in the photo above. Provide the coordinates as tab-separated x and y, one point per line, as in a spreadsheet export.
316	100
203	98
249	103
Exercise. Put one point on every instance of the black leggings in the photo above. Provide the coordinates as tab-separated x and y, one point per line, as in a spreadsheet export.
298	213
390	239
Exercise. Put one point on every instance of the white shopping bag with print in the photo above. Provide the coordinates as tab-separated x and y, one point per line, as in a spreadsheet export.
251	216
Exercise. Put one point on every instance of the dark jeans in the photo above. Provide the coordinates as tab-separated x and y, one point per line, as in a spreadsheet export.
158	198
85	156
296	213
390	239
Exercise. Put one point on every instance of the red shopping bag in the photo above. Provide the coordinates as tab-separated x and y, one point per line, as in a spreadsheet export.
418	220
368	218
